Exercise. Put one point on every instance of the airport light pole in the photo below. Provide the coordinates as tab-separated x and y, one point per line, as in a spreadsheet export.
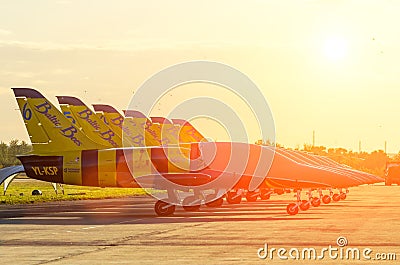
313	138
385	146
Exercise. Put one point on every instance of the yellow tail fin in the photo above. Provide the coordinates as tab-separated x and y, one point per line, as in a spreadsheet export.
136	129
187	132
169	133
91	124
47	127
110	116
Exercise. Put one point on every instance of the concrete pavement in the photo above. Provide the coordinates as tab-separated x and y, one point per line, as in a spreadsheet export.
126	231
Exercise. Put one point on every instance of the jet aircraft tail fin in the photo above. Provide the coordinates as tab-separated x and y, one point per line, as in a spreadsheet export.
48	129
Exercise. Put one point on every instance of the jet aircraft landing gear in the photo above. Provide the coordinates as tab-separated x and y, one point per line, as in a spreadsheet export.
305	204
234	197
265	194
192	203
326	199
336	197
343	195
164	207
212	202
316	201
251	196
293	208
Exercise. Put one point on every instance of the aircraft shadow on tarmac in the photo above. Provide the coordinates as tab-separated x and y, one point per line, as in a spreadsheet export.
133	213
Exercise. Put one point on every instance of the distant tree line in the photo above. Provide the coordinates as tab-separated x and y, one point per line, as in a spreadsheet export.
8	152
374	162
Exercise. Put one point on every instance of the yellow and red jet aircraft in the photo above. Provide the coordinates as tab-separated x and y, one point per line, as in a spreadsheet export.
187	134
63	153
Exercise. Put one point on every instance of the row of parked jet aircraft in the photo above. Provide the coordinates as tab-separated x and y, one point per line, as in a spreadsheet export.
102	147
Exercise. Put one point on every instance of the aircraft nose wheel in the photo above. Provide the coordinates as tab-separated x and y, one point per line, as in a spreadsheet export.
336	197
292	209
212	202
315	202
265	195
233	198
305	205
326	199
251	196
164	208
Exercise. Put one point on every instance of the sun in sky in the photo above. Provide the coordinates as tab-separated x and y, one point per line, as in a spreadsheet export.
335	48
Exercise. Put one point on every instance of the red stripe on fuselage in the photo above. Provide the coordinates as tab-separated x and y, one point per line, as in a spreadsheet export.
89	165
124	176
159	159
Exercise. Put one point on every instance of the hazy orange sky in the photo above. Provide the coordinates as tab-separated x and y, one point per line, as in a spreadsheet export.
328	66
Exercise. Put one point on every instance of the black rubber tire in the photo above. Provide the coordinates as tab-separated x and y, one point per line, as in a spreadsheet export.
163	208
315	202
326	199
189	206
336	197
305	205
292	209
214	203
251	196
265	195
233	198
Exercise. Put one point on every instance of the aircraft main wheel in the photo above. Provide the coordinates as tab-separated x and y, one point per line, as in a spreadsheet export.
305	205
164	208
336	197
213	203
343	196
233	198
292	209
265	195
326	199
190	204
251	196
315	202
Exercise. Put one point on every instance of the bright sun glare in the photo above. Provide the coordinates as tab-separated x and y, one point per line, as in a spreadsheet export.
335	48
